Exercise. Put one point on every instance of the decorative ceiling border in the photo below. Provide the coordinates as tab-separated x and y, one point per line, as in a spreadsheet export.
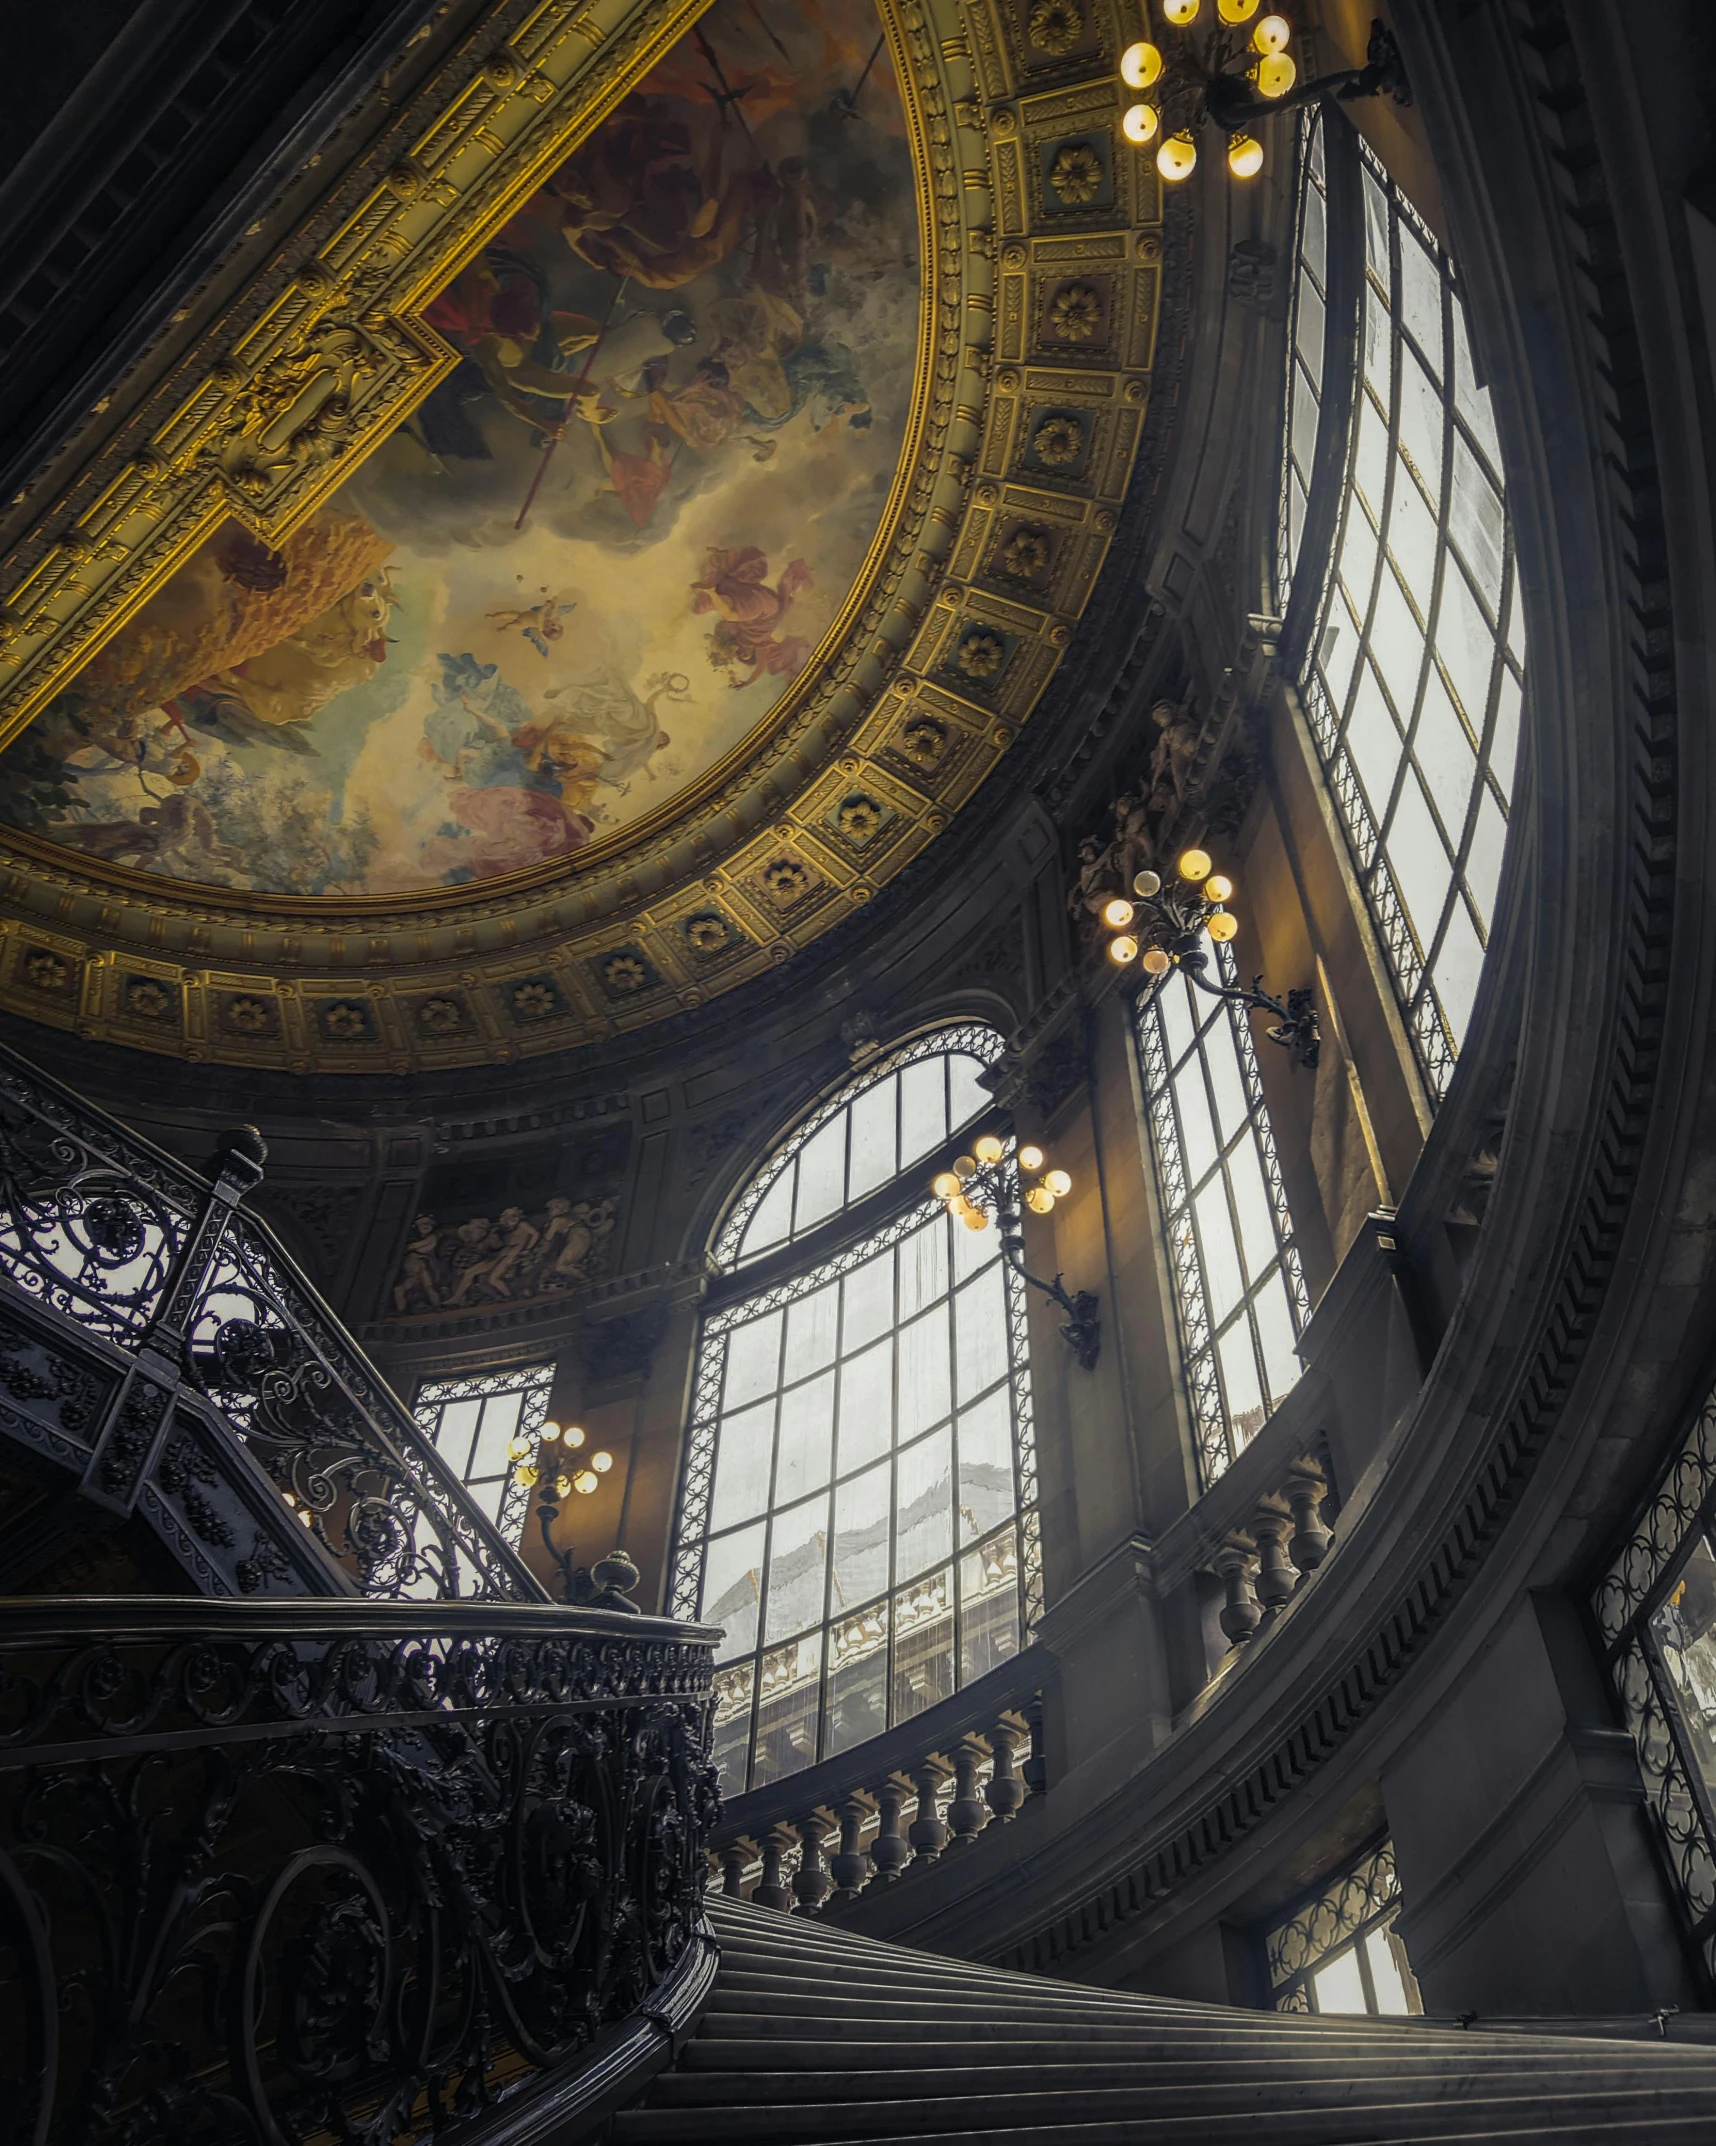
1042	250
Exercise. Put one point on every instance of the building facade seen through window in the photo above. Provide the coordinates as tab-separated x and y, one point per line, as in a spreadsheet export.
1339	1951
1239	1290
858	1509
1397	577
483	1428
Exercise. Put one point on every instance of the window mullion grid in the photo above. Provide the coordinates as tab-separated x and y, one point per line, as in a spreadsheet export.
1287	1244
699	1477
1025	1489
1191	1303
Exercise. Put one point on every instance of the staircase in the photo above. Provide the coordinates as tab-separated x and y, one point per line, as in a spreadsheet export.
812	2035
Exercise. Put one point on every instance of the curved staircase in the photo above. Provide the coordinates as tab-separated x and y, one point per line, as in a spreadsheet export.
811	2036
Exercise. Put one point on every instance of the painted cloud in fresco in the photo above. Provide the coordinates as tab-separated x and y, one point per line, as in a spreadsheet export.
691	353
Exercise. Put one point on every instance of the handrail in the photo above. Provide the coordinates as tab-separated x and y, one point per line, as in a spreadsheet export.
419	1861
104	1230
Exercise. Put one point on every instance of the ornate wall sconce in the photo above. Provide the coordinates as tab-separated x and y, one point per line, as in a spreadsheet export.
559	1477
1215	71
980	1189
1165	928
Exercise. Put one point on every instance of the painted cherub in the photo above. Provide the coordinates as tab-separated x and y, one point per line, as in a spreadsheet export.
539	623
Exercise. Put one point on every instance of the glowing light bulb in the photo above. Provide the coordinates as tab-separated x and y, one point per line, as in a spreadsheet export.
527	1476
550	1433
1039	1199
1177	158
1031	1158
1058	1183
1273	34
963	1167
1140	64
987	1148
601	1462
1245	156
1156	963
975	1218
1224	925
1139	123
562	1486
1122	950
1236	10
1195	865
575	1435
518	1449
1275	75
1180	12
1118	913
1219	888
945	1185
1147	884
585	1482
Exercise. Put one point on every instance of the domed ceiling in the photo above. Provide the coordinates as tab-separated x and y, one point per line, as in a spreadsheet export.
613	539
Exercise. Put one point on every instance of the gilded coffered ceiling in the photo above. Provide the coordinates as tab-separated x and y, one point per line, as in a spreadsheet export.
618	534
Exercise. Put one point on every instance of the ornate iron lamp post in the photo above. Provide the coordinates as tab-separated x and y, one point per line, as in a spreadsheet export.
558	1476
982	1188
1165	928
1219	71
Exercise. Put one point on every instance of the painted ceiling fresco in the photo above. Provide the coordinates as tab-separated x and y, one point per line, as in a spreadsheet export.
584	570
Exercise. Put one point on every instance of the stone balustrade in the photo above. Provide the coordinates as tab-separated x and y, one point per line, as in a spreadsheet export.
1264	1563
815	1842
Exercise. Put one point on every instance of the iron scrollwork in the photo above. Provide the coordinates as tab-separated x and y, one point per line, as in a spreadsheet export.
335	1881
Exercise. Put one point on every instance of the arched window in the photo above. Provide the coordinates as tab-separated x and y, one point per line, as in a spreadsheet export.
1396	575
858	1507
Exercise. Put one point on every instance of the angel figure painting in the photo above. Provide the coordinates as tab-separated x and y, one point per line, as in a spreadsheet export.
587	567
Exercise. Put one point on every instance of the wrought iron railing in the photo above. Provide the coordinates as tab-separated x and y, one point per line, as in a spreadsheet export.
331	1871
125	1268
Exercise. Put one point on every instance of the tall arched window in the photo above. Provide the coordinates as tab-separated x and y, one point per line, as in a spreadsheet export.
1395	570
858	1507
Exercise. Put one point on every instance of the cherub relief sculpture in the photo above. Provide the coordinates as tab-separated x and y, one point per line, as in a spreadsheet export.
1143	818
507	1260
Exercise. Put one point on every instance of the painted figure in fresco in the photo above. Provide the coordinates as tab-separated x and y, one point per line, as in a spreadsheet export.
516	785
498	313
605	707
734	587
539	623
637	201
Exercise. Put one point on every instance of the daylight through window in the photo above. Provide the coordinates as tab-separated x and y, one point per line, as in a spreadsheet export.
475	1422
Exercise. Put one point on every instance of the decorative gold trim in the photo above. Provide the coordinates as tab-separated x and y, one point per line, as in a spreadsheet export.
312	366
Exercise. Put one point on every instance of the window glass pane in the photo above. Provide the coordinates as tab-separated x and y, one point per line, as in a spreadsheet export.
1483	865
1478	525
1251	1204
1465	646
798	1554
1276	1338
1504	744
1178	1017
1357	572
866	1405
985	1465
1458	964
486	1428
811	1328
869	1302
1241	1385
1421	423
1308	332
1340	645
923	1109
1412	542
1472	401
861	1532
806	1438
923	1525
1385	1976
732	1589
1340	1986
980	1334
1313	243
1197	1127
1397	642
925	1365
1444	756
753	1359
1370	469
1421	298
821	1177
1685	1632
772	1221
1419	860
873	1139
742	1469
1232	1104
822	1542
1373	742
455	1432
1222	1279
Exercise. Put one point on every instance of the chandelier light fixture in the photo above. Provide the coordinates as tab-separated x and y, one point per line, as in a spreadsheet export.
1164	927
552	1469
985	1187
1230	62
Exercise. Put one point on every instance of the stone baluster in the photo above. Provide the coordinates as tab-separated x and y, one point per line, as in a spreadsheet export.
1276	1580
889	1851
1306	1489
928	1835
734	1857
849	1866
771	1892
1035	1771
1006	1791
810	1880
967	1814
1240	1615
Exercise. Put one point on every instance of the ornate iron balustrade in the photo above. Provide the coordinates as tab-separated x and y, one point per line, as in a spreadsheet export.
314	1870
132	1276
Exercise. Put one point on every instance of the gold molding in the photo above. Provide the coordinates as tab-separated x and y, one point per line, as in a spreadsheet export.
1017	457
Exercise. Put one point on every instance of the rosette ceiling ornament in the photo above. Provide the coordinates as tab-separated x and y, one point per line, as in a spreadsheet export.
287	782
